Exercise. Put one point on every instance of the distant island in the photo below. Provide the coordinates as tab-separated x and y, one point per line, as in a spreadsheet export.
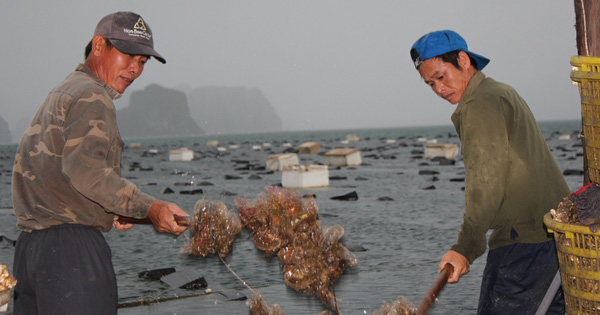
227	110
157	112
5	136
161	112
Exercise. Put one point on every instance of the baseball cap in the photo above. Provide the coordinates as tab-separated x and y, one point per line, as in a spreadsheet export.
129	33
440	42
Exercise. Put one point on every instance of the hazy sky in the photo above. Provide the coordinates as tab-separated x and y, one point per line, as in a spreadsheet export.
322	64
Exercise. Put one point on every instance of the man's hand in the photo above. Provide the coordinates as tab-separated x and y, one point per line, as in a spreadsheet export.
458	261
162	216
121	226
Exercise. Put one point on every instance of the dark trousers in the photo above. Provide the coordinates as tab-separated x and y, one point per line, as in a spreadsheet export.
66	269
516	278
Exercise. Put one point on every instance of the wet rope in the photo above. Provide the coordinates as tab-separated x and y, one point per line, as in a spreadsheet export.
235	274
337	308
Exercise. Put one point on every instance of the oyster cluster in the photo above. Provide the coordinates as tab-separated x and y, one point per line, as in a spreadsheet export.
285	222
213	229
6	280
581	208
258	305
565	212
401	306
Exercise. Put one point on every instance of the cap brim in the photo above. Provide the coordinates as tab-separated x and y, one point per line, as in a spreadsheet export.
130	48
481	60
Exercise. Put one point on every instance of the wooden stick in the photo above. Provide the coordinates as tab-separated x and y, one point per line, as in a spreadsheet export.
435	289
150	300
181	220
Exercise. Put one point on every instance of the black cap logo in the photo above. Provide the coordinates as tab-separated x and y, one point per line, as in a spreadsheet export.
139	25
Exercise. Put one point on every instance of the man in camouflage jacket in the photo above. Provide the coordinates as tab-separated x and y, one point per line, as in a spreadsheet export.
67	185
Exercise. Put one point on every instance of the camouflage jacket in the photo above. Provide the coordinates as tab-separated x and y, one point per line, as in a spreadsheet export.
68	165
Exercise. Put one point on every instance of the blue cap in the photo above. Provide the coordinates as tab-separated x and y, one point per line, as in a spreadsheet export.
440	42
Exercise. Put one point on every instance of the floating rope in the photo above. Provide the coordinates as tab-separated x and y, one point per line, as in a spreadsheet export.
235	274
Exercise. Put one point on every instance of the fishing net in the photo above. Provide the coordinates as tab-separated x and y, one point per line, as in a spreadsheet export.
213	229
283	221
587	204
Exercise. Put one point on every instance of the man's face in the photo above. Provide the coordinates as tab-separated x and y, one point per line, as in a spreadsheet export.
445	79
119	70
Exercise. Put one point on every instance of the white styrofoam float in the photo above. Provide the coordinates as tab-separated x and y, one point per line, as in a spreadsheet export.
276	162
304	176
212	143
352	138
447	150
183	154
309	147
343	157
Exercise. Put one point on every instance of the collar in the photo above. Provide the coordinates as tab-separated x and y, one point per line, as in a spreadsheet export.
112	93
474	83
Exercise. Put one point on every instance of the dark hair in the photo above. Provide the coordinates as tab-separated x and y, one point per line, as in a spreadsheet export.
452	57
88	48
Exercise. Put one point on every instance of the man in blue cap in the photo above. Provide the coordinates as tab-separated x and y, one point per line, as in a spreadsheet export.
511	181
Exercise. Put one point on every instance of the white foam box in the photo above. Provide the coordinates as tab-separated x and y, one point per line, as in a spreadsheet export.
277	162
353	137
183	154
212	143
305	176
343	157
564	137
309	147
447	150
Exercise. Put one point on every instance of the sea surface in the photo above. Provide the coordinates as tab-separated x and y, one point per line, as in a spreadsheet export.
398	241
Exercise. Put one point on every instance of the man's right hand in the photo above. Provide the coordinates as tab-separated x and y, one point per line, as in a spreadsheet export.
458	261
162	214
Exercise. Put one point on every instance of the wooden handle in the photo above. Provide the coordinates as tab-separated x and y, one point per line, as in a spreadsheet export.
181	220
435	289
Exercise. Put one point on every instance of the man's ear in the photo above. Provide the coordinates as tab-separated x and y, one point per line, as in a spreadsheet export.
98	45
463	60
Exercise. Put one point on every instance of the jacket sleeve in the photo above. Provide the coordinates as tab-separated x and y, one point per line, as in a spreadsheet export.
90	158
485	146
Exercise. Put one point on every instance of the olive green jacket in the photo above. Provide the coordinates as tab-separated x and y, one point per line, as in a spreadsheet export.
512	179
68	164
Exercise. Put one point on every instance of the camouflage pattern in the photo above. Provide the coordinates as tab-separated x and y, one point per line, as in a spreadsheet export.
68	165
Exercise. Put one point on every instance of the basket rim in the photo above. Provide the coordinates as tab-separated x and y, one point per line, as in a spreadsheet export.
578	60
556	226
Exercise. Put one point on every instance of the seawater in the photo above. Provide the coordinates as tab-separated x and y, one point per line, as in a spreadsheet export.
404	238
